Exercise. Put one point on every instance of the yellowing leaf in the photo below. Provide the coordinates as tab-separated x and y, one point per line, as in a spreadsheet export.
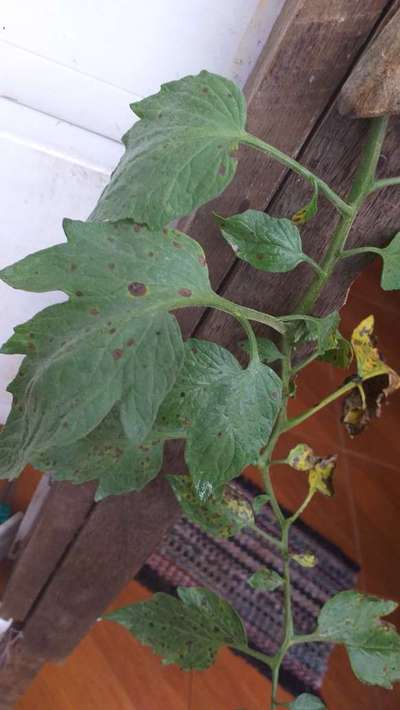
321	474
369	361
358	413
301	458
307	560
309	210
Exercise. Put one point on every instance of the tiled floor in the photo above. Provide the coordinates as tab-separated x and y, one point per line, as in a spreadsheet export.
110	671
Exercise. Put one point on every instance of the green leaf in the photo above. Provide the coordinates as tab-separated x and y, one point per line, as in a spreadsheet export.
113	342
390	280
265	242
267	349
266	579
373	646
341	355
178	156
187	631
220	516
260	501
309	210
107	455
307	702
228	413
322	331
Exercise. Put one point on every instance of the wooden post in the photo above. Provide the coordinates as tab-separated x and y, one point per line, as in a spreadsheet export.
84	553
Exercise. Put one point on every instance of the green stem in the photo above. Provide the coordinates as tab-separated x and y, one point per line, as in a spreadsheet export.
269	538
242	312
295	421
253	347
360	250
268	660
363	180
306	501
386	182
292	164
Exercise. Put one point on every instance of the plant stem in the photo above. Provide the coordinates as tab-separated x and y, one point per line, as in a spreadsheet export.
270	538
289	162
386	182
242	312
363	182
268	660
359	250
295	421
306	501
253	347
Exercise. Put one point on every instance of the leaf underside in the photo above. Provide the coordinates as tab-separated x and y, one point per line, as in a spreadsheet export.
178	156
187	631
113	344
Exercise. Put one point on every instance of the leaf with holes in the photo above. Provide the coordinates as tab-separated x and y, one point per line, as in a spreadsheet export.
373	646
221	516
267	349
266	579
112	344
106	455
227	412
179	155
305	701
267	243
187	631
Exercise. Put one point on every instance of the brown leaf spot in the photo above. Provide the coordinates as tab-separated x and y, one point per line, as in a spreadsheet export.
94	312
73	267
165	231
137	289
117	354
150	253
130	343
186	292
78	293
204	90
176	244
111	267
222	169
112	331
137	227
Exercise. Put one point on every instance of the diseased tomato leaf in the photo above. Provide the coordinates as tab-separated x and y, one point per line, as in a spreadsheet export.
373	646
179	155
187	631
112	344
228	413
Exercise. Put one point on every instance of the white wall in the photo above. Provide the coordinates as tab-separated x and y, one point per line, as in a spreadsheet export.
68	71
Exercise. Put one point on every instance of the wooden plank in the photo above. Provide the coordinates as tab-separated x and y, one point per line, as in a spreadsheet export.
18	667
308	55
119	535
63	514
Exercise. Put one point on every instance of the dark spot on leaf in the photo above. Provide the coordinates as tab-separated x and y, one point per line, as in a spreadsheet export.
111	267
259	257
112	331
204	90
158	332
31	335
202	260
94	312
117	354
130	342
185	292
150	253
73	267
137	289
220	433
65	425
221	169
176	244
229	95
137	227
78	293
165	231
160	114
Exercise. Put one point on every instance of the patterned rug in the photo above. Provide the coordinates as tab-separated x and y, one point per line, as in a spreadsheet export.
189	557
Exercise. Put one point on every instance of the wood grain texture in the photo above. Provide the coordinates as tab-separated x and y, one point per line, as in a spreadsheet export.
373	89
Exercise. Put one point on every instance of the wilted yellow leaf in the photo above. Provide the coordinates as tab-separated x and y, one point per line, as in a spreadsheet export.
369	361
320	477
306	560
